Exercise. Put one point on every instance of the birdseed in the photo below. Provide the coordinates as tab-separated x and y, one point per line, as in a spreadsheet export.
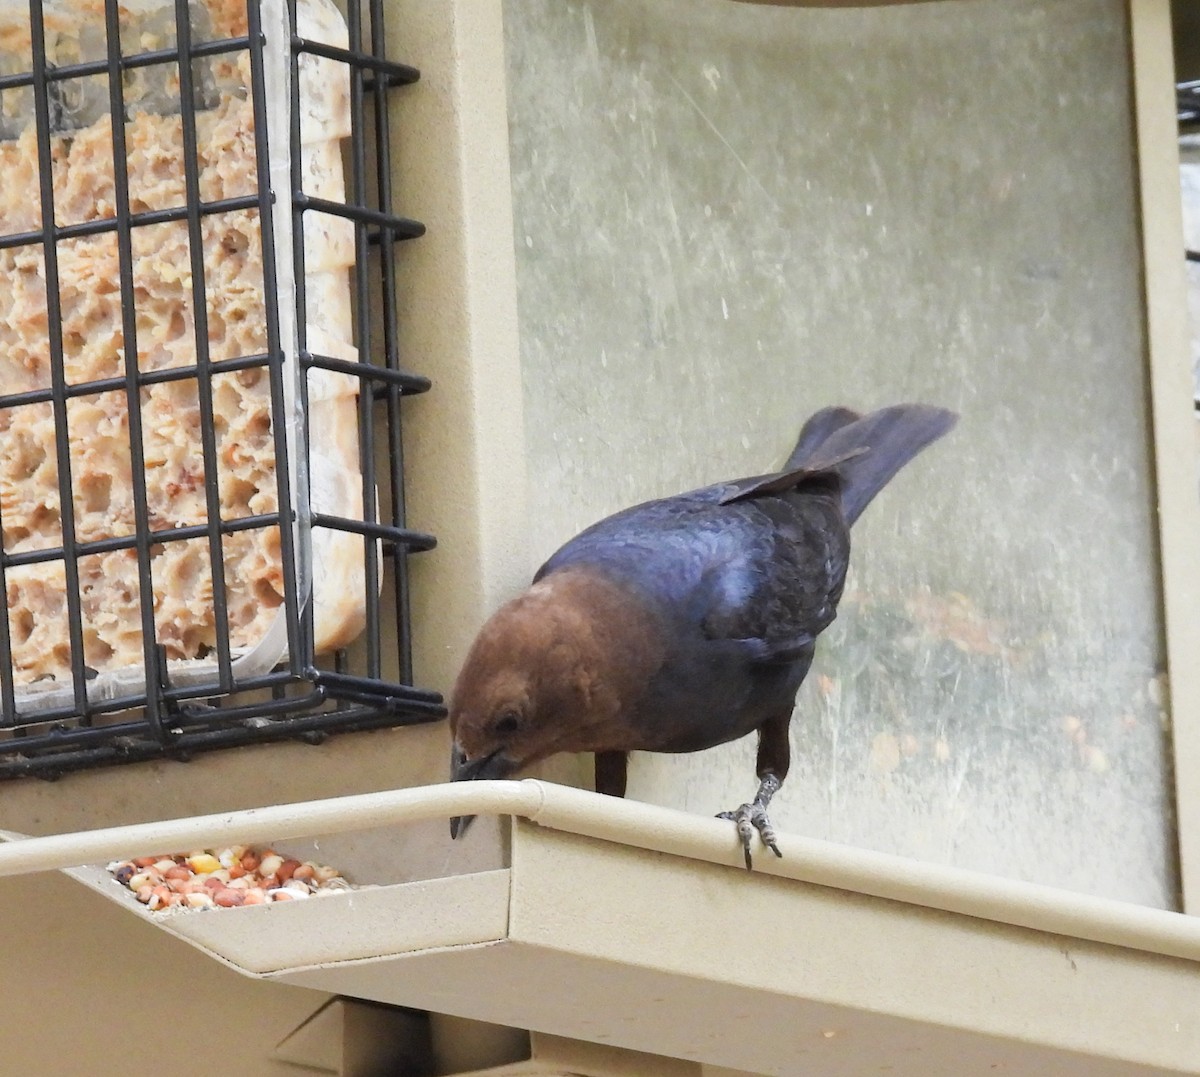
224	878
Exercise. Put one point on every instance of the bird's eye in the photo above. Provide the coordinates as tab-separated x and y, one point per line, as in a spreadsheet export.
507	722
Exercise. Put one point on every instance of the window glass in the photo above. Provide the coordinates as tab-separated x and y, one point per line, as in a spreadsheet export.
728	216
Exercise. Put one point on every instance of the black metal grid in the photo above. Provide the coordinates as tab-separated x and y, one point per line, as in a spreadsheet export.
366	686
1187	100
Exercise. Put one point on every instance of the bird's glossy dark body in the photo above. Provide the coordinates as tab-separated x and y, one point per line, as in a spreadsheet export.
740	589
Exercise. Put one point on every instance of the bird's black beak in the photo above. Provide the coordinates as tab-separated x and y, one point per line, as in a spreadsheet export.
462	769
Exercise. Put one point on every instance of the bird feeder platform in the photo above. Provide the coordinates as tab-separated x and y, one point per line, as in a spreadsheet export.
641	929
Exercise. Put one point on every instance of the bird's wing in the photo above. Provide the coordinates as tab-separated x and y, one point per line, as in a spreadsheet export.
781	588
763	569
782	481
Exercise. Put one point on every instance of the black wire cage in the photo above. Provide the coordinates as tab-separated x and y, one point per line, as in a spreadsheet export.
201	387
1187	100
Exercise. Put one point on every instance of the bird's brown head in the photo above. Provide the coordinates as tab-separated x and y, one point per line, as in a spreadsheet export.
546	674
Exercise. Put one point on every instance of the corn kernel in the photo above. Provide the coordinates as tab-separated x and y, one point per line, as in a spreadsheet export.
203	863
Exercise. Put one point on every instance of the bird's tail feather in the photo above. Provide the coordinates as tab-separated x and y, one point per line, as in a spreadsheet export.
819	427
892	437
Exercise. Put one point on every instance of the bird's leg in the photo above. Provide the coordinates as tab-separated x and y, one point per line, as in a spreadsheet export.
774	757
611	773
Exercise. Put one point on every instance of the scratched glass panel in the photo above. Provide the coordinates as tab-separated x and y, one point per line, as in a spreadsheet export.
727	216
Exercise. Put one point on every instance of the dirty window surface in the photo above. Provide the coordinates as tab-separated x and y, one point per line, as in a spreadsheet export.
729	216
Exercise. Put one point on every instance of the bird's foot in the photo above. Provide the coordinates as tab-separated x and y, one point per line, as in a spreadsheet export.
753	816
749	818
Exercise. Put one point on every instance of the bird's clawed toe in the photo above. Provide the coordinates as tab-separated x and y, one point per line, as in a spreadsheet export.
749	818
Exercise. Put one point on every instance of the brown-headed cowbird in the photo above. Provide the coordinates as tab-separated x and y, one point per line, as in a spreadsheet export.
685	622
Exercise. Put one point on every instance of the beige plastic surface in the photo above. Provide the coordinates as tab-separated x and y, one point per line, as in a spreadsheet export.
661	934
1168	342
